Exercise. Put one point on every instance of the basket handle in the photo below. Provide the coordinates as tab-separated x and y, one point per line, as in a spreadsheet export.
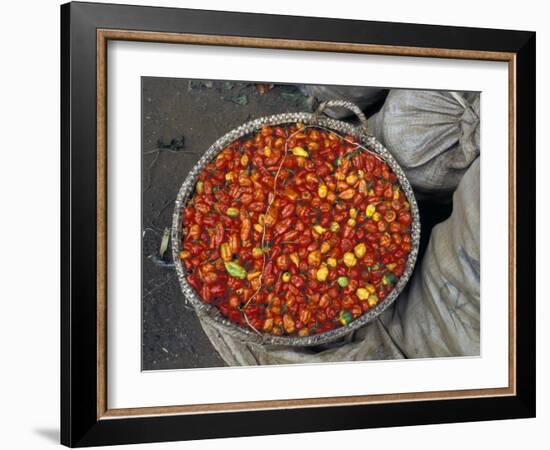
344	104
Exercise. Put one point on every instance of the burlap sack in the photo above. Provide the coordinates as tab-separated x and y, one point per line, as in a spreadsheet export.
434	135
436	316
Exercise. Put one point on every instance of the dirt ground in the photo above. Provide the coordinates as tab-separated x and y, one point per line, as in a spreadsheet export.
181	118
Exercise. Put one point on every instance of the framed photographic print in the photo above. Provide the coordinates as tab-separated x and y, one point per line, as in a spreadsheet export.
276	224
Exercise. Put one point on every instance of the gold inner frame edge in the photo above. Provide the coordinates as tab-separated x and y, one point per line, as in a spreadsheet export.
103	36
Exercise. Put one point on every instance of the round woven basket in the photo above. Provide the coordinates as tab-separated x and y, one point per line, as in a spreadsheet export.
317	118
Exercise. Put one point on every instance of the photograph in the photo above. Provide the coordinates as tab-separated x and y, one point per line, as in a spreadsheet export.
304	224
275	225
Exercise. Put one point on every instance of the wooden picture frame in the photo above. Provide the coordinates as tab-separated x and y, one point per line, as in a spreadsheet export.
86	418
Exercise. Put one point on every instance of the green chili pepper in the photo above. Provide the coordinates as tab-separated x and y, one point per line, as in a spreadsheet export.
343	281
388	278
232	212
345	317
235	270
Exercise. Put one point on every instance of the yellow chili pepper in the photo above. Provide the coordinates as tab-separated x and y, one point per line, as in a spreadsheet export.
360	250
319	229
353	213
396	193
253	275
325	247
314	258
331	262
362	294
339	176
225	252
334	227
351	179
286	277
255	283
261	219
322	273
257	252
373	300
268	324
258	228
322	190
349	259
299	151
184	254
371	209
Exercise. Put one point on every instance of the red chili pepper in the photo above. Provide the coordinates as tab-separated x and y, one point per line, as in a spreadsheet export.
287	211
219	235
283	225
290	235
246	226
256	207
297	281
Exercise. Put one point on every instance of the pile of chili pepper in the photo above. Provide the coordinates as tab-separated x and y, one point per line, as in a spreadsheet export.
295	231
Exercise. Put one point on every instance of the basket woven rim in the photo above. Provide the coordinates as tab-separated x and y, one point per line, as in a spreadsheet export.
186	192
